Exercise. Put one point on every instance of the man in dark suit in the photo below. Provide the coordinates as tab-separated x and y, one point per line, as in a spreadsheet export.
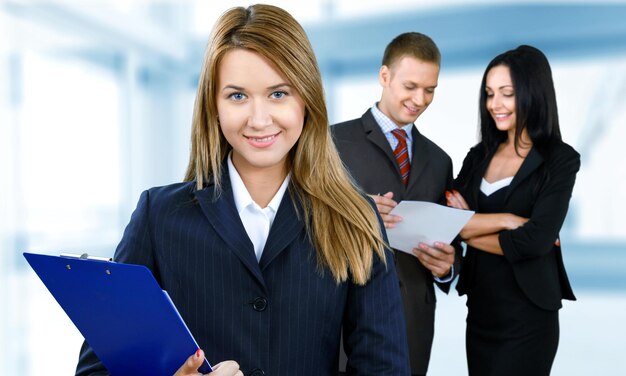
392	161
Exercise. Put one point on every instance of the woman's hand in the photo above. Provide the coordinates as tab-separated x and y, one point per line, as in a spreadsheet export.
455	200
190	368
226	368
512	221
483	224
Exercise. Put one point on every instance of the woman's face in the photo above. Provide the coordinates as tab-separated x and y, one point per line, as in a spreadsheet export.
261	115
501	98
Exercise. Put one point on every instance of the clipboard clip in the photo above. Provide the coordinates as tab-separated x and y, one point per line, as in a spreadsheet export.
85	256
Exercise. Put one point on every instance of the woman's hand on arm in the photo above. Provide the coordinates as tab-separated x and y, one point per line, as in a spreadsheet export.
483	224
456	200
190	368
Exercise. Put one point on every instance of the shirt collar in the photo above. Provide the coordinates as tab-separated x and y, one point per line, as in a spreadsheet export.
242	196
386	124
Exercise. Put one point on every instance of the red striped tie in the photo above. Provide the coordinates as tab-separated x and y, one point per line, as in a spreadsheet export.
402	154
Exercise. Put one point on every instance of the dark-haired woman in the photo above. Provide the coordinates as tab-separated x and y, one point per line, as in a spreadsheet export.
519	180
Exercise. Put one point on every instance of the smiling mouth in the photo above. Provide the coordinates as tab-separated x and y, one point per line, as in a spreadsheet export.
412	109
262	139
501	116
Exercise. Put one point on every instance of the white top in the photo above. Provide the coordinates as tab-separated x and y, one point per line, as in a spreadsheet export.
256	220
488	188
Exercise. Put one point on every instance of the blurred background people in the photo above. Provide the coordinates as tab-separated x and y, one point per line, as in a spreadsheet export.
392	161
519	180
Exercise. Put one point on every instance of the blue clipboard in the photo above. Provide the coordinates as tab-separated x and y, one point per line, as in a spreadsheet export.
128	320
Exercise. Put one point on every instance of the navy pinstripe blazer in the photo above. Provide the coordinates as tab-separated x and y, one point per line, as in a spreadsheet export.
278	316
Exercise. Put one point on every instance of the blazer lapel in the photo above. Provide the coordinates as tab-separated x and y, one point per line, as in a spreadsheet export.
531	163
420	157
477	177
285	228
222	215
375	135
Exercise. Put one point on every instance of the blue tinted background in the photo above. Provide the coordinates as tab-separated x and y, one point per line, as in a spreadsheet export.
96	101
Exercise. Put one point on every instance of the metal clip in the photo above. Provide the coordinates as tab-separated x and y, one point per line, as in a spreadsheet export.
86	256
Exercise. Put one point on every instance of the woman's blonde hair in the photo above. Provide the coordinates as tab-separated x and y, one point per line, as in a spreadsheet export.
342	224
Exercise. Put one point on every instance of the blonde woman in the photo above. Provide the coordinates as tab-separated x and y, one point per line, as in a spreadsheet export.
267	248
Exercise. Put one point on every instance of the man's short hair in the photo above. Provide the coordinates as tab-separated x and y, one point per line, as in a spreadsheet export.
411	44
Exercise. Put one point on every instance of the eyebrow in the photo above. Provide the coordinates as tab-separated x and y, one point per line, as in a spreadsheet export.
412	83
234	87
273	87
501	87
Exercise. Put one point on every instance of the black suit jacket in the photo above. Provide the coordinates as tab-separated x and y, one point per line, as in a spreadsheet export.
368	156
540	191
280	315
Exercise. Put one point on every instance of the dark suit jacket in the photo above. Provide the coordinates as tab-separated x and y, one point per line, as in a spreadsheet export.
368	156
280	315
540	191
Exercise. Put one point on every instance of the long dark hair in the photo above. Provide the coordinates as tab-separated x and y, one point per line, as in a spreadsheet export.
535	100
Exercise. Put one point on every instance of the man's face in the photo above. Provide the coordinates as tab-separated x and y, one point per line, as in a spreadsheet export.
408	88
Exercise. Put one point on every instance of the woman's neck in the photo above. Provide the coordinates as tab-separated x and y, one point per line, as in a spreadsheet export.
524	144
262	184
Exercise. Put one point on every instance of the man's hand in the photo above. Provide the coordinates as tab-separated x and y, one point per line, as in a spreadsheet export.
437	259
385	205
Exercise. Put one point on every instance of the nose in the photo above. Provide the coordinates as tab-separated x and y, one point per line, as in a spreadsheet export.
260	115
494	102
420	97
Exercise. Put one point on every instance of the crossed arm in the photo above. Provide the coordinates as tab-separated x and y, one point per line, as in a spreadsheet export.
481	231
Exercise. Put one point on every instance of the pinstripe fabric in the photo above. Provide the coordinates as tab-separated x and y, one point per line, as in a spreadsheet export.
279	315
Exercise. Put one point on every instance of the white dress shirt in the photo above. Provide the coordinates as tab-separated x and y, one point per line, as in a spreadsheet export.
256	220
387	125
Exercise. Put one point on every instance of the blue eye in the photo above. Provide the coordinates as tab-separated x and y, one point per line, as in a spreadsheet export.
237	96
278	94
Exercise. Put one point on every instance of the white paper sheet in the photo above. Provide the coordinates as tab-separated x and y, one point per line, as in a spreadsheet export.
425	222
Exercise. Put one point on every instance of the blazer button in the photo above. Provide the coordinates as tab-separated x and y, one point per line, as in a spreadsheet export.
257	372
259	304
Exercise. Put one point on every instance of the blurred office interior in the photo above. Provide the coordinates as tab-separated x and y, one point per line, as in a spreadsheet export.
95	106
